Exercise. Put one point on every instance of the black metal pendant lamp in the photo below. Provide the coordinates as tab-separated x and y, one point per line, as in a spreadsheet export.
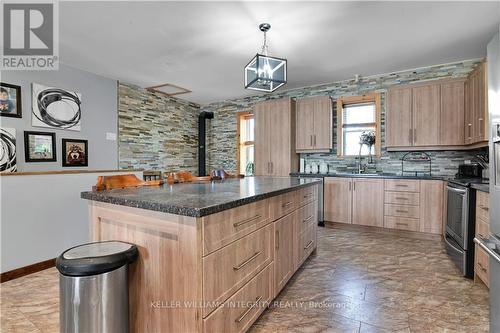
263	72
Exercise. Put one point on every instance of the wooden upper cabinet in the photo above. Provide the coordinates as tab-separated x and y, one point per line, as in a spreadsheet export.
452	113
398	128
476	109
314	124
275	138
368	202
426	114
305	124
338	199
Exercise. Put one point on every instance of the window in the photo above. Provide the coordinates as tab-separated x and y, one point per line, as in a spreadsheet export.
245	136
355	115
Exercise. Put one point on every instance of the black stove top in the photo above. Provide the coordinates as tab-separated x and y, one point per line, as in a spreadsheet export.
467	182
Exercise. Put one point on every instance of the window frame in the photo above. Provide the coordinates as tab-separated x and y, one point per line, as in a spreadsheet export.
349	100
239	117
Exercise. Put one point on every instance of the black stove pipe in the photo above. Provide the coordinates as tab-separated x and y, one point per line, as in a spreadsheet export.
202	133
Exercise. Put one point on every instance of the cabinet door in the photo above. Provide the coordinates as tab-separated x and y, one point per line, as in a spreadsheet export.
452	113
323	129
305	124
431	206
262	151
398	127
368	202
338	199
469	112
426	115
480	100
280	137
283	253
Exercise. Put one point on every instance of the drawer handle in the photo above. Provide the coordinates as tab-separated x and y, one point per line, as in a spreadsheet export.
246	262
481	236
288	203
482	267
401	198
401	211
401	185
247	311
307	219
308	245
307	195
398	223
237	224
277	239
484	208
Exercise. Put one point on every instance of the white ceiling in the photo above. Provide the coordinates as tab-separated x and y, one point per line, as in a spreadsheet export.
203	46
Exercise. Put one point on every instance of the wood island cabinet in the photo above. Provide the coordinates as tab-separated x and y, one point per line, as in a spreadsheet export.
283	250
314	124
275	138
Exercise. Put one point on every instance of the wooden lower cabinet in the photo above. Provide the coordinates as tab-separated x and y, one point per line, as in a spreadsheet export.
283	251
481	257
338	199
367	202
405	204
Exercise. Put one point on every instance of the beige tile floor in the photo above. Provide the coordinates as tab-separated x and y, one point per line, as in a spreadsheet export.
357	282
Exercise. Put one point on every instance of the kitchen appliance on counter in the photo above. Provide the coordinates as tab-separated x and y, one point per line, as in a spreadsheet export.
460	223
492	244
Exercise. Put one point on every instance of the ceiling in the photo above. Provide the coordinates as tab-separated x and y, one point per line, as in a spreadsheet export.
203	46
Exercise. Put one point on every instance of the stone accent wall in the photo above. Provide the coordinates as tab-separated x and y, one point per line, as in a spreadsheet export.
222	143
156	131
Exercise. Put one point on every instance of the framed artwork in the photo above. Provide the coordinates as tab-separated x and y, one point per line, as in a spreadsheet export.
8	154
56	108
10	100
39	146
75	153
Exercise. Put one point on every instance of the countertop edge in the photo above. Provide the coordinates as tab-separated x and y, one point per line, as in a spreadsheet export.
189	211
355	175
481	187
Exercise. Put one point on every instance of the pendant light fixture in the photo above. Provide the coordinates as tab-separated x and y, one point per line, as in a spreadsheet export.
265	73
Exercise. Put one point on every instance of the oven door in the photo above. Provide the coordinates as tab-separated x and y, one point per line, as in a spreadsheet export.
458	214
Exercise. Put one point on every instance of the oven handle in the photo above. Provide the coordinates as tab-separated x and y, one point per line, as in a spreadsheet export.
457	190
494	254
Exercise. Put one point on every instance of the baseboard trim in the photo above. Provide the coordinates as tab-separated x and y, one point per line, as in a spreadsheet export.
385	231
26	270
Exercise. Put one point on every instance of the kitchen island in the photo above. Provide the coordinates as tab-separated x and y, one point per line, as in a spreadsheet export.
212	255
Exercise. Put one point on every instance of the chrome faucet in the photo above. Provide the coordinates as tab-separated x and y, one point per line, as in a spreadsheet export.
361	167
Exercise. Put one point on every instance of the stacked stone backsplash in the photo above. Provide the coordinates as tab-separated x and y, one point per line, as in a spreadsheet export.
222	142
156	131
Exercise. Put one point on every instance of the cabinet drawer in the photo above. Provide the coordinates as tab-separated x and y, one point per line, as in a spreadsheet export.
222	228
282	205
243	308
402	198
229	268
402	211
307	217
402	223
482	228
402	185
483	206
481	265
307	194
307	243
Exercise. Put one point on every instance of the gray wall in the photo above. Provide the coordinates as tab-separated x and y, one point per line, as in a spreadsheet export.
99	115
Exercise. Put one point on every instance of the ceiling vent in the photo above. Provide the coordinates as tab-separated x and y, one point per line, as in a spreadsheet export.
168	89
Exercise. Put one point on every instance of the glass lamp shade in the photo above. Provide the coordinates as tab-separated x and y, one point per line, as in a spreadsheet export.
265	73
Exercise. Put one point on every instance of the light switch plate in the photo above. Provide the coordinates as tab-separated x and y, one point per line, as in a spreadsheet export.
111	136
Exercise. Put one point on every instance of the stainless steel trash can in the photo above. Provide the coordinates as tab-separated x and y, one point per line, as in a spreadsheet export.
93	287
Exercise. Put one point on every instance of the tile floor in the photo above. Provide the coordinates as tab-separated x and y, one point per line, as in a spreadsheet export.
357	282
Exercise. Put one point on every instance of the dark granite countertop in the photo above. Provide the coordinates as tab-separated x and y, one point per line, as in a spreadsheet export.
368	175
200	199
481	187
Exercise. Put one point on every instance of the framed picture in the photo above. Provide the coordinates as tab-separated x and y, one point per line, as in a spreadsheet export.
8	155
10	100
75	153
39	146
56	108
